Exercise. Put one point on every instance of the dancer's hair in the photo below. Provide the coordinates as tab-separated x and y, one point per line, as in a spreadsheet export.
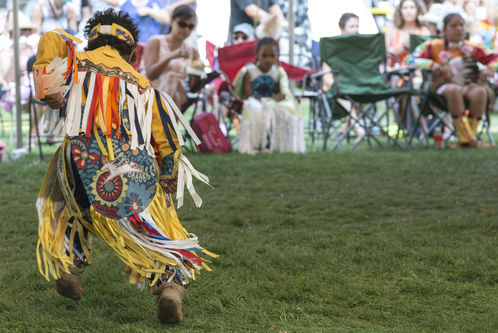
108	17
183	12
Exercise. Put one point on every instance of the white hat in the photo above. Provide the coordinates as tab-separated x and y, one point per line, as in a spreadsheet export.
245	28
438	11
24	22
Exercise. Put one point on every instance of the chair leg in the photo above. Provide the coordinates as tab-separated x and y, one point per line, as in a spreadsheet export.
374	122
486	128
33	114
328	122
30	106
420	121
312	121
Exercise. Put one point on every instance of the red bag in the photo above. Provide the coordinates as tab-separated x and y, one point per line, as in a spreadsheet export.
207	129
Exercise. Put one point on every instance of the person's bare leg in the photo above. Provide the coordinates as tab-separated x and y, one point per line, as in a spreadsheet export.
478	99
454	99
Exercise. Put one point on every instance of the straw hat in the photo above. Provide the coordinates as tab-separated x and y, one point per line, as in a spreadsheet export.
269	27
24	22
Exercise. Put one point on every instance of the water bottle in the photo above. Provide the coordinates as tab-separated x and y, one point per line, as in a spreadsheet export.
437	136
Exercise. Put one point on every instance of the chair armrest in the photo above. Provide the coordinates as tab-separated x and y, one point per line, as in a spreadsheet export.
404	73
322	73
407	70
305	94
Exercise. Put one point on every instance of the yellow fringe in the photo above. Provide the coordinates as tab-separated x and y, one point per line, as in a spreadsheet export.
99	142
51	253
109	148
142	263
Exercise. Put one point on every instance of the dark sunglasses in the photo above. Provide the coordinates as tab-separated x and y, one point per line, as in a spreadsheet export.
185	25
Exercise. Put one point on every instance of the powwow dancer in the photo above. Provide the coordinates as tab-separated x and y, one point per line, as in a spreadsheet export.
113	175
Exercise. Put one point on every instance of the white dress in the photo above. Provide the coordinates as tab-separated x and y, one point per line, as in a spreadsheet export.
268	125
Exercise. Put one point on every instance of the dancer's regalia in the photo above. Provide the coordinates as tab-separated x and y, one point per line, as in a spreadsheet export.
121	139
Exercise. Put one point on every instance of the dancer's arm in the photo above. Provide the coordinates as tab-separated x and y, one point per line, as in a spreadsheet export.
51	46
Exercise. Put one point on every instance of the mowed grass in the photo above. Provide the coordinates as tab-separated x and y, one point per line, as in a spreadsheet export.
368	241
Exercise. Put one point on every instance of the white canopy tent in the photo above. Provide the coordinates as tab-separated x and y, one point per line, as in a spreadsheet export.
324	17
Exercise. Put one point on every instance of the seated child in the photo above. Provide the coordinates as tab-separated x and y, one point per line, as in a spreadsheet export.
459	71
271	119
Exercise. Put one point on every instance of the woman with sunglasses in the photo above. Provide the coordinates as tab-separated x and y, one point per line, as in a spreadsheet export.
165	56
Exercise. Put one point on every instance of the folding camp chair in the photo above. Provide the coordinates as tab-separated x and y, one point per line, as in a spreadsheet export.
358	80
434	106
233	58
230	60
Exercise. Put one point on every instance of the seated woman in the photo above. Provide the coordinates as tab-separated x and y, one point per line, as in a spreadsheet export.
271	119
459	70
350	25
405	23
167	58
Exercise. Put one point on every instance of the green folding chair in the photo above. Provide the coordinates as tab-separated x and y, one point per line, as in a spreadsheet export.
356	60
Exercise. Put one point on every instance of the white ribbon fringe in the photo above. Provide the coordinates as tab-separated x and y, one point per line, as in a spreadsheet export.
185	172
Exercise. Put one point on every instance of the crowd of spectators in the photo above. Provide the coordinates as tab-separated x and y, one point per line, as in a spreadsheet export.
166	34
154	17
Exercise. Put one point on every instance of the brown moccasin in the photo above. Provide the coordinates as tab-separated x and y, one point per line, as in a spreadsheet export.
169	303
69	285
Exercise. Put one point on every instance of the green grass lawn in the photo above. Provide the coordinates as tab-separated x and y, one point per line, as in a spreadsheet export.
369	241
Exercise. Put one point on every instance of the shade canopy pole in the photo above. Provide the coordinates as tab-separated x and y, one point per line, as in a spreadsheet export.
15	30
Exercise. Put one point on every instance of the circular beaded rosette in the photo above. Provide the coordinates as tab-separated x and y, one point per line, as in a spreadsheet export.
117	188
